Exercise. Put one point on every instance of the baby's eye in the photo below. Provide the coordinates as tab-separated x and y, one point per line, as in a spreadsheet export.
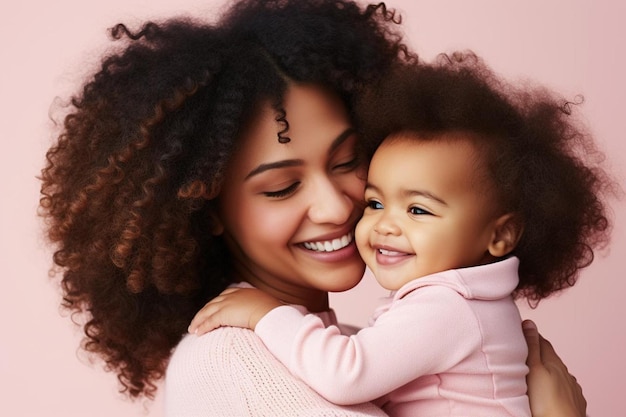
285	192
374	205
418	211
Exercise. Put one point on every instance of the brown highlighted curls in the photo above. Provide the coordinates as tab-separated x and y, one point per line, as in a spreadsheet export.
127	187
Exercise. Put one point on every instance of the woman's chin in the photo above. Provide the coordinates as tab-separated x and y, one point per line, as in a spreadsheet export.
344	279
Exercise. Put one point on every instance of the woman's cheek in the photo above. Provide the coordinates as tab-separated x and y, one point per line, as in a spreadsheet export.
277	221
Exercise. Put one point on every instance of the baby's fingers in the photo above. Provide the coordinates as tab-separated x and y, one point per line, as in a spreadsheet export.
207	312
205	320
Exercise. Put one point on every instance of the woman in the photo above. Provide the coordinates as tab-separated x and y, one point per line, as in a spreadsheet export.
205	155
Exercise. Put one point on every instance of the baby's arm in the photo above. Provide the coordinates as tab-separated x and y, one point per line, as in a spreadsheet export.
378	359
236	307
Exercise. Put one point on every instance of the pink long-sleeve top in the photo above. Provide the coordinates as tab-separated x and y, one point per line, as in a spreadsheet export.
448	344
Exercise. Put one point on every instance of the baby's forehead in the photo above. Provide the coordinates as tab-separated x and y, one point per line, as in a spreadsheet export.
433	135
472	144
464	154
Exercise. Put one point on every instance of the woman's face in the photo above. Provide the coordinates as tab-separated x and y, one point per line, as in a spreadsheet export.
288	210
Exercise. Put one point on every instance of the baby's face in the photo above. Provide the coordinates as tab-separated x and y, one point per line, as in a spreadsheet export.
428	209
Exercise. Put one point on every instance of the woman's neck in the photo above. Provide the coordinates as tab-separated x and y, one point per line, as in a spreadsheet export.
314	300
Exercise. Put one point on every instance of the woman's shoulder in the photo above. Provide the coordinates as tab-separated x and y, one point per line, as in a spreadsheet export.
217	351
220	339
205	374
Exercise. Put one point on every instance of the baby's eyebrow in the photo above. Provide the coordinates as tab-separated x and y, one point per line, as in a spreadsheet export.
425	194
409	193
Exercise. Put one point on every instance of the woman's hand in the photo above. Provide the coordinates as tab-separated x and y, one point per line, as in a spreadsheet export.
237	307
552	390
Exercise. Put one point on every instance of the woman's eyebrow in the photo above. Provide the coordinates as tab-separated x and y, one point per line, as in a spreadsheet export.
274	165
295	162
343	136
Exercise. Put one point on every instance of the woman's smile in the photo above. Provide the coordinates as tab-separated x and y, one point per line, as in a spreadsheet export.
330	245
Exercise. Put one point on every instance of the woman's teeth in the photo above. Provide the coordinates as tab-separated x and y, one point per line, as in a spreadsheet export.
330	245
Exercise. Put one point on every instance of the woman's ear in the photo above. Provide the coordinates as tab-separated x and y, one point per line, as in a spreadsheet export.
506	234
216	227
198	189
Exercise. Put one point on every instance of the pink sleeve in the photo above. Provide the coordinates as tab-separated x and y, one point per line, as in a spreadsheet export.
424	333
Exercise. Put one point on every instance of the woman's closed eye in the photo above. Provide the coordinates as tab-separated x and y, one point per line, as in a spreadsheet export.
349	165
285	192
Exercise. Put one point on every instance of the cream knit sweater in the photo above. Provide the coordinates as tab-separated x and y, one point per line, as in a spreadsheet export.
229	372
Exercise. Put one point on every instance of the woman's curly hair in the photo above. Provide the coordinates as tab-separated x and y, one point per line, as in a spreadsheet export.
541	162
141	152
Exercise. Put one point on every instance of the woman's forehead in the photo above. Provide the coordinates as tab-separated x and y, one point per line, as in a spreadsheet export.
313	119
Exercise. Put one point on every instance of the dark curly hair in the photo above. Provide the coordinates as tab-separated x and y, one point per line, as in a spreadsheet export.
541	162
143	146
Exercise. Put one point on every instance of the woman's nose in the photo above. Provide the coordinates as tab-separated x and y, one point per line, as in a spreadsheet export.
330	203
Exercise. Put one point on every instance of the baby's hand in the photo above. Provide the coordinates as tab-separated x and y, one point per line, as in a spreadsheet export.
237	307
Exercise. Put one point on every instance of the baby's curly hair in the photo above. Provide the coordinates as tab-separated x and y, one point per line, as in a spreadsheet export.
541	162
142	149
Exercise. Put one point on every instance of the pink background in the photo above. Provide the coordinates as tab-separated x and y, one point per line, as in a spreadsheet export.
575	46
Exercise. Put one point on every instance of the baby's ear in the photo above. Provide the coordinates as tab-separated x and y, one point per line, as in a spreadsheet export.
506	234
